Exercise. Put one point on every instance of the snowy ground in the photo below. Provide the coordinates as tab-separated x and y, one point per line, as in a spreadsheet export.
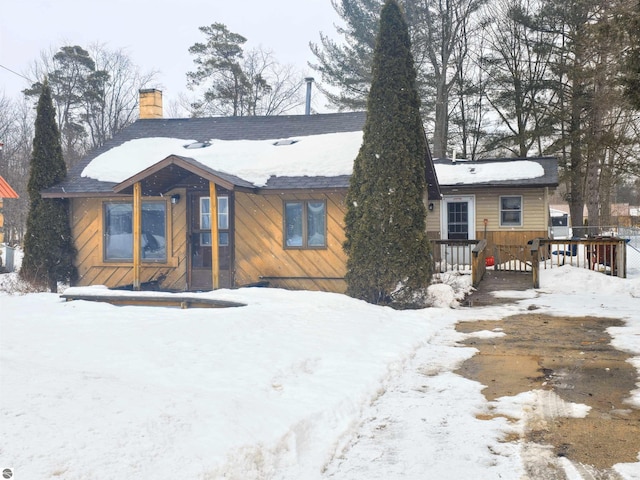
295	385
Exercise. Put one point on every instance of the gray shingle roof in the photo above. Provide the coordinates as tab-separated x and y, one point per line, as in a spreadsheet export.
221	128
549	179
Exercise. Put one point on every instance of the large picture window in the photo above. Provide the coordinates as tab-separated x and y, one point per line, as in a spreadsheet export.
118	231
305	224
511	211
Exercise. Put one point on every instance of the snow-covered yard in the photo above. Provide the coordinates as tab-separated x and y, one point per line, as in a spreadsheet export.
278	389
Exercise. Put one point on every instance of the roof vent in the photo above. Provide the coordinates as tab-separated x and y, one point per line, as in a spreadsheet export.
191	146
288	141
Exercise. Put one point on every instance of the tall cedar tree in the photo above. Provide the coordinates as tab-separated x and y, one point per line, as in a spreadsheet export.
48	248
389	257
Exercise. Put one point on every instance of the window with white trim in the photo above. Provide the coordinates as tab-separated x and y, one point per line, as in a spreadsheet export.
511	211
305	224
223	220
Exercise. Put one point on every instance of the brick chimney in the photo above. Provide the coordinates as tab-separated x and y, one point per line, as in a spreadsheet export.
150	103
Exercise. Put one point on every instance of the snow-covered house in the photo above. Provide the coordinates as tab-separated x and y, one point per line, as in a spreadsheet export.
505	201
278	186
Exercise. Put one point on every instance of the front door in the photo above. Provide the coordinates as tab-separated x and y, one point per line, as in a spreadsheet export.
458	223
200	271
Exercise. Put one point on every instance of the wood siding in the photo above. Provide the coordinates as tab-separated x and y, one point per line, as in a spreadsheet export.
535	215
1	222
259	248
87	231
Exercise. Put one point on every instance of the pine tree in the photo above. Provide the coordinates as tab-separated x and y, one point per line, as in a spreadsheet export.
389	259
48	248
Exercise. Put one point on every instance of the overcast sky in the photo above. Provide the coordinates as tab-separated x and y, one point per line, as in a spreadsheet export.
157	33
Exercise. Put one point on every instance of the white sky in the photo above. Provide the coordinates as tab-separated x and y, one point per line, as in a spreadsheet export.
157	34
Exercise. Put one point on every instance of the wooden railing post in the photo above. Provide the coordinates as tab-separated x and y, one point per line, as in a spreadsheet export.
478	262
621	258
535	262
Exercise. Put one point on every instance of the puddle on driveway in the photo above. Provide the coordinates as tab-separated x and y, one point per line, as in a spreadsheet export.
574	358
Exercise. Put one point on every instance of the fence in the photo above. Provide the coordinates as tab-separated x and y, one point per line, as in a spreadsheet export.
604	254
460	256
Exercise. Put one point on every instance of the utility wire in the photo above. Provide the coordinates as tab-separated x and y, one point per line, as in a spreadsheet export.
16	73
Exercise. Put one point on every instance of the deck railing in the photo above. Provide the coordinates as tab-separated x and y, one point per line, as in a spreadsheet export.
604	254
468	256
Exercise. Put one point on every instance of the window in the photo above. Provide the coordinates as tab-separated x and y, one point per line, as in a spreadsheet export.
223	221
511	211
305	224
118	231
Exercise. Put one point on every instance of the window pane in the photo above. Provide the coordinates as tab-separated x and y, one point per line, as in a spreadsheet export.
293	224
511	210
511	218
205	213
118	230
154	231
223	239
223	213
458	220
205	239
316	218
510	203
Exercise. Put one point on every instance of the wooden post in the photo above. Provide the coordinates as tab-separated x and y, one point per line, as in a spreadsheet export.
137	234
535	263
621	258
213	202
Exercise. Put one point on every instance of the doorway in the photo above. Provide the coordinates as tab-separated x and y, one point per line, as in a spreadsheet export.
458	223
200	257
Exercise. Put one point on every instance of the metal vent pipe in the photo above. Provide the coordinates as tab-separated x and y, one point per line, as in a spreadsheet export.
307	107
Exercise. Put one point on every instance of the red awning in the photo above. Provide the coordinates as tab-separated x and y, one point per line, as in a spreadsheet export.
5	190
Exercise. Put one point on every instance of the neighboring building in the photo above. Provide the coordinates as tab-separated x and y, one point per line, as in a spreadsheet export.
277	183
505	201
5	192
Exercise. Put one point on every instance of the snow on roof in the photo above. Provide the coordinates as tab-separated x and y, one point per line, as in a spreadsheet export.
471	172
252	160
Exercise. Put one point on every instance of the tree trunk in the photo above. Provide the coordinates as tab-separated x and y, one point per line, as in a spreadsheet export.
440	132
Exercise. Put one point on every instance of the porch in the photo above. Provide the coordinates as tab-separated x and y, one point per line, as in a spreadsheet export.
603	254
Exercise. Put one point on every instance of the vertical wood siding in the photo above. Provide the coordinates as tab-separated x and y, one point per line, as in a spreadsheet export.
87	230
260	248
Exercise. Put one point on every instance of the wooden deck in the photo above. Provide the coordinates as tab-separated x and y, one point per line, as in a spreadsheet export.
155	300
494	281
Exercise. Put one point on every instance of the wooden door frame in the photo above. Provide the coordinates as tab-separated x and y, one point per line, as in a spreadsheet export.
191	199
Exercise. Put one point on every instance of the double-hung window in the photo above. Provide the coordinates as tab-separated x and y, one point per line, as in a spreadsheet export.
223	221
305	224
511	211
118	231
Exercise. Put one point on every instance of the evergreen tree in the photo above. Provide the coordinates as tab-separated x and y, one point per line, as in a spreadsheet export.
389	259
48	249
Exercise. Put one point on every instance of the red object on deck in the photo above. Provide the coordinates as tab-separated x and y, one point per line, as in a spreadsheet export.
489	261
